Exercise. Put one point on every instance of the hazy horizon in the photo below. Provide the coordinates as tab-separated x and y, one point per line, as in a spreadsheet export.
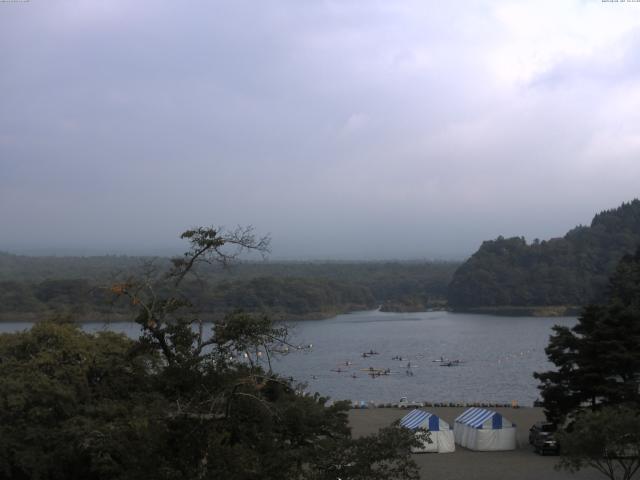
180	247
346	130
84	251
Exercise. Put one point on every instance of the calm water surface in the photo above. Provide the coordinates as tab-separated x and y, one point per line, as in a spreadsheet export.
498	354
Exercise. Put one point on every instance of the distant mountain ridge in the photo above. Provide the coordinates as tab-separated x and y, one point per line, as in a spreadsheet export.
572	270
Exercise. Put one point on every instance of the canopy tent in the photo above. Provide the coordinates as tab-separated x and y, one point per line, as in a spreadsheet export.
484	430
441	436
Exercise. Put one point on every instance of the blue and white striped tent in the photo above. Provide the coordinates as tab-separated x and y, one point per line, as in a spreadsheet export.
440	438
481	429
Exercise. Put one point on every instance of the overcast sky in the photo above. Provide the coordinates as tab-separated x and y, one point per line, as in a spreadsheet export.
346	129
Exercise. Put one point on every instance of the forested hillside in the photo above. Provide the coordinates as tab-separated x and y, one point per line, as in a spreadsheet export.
33	287
571	270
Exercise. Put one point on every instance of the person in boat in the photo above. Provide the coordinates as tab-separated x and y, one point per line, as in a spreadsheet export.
450	364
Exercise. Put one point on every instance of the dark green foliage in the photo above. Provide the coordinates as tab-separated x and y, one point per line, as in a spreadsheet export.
375	457
55	296
594	394
179	403
292	296
19	297
598	360
75	406
572	270
284	290
38	269
607	440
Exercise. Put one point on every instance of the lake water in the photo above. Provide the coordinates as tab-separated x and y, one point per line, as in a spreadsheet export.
498	355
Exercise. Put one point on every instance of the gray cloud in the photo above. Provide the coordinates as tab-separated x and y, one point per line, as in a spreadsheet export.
346	129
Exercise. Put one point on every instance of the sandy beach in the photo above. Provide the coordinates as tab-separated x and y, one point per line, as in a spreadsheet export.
520	464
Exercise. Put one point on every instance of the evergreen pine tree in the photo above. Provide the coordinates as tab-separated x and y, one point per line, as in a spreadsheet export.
598	360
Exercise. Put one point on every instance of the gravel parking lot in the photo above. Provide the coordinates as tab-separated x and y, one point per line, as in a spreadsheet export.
520	464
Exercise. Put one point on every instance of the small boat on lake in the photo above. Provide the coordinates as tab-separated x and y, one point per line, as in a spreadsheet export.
445	362
376	372
451	363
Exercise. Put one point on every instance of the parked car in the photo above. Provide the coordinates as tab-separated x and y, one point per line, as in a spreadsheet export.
542	437
547	445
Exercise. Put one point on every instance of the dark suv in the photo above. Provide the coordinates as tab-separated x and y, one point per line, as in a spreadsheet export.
542	437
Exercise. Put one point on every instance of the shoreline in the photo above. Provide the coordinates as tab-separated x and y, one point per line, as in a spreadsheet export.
279	317
525	311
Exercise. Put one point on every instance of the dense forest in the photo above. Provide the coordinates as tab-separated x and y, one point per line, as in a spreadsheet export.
505	275
183	401
567	271
31	287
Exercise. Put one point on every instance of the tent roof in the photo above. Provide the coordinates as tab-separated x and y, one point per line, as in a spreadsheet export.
416	418
476	417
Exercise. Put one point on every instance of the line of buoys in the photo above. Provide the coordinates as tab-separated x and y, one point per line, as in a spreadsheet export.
372	404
